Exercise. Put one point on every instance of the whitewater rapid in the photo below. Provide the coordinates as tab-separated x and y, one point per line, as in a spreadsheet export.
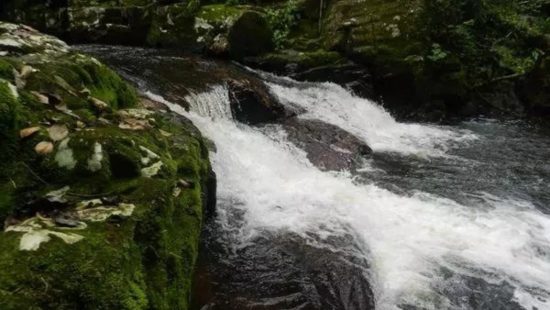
407	238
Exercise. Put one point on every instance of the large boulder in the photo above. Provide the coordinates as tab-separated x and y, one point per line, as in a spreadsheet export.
252	103
235	31
250	35
101	197
327	146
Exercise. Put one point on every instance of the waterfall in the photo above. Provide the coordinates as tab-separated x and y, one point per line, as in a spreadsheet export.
407	239
335	105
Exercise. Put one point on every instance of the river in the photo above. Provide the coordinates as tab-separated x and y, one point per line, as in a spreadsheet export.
439	217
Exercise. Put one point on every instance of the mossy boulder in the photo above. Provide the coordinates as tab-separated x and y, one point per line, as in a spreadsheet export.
235	31
101	196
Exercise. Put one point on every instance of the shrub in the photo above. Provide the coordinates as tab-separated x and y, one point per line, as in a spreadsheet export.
282	19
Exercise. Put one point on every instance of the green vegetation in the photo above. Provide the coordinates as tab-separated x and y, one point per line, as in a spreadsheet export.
282	20
490	39
173	25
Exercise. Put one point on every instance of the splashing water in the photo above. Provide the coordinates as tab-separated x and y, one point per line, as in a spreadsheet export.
335	105
411	241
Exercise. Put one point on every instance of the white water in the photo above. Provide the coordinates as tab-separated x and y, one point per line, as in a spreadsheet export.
406	238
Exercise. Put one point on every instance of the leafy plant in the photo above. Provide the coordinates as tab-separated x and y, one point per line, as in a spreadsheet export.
282	19
489	38
437	53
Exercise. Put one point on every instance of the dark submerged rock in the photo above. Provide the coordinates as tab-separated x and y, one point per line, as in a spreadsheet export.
327	146
282	271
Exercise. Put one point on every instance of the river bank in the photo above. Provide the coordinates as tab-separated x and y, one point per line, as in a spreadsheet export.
422	59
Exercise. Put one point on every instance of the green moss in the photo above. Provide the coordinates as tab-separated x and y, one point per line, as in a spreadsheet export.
9	120
219	12
109	87
73	74
142	261
7	199
6	70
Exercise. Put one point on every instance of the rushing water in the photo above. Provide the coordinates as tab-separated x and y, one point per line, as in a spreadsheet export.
441	217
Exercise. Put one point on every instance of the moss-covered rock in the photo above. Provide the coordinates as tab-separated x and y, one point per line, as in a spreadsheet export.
441	51
236	31
101	199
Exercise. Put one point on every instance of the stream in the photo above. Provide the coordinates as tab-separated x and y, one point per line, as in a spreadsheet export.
438	217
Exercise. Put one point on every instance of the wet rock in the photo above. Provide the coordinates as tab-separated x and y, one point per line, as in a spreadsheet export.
295	274
327	146
252	103
209	192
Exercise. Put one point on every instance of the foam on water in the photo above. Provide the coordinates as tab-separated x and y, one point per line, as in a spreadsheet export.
407	239
335	105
